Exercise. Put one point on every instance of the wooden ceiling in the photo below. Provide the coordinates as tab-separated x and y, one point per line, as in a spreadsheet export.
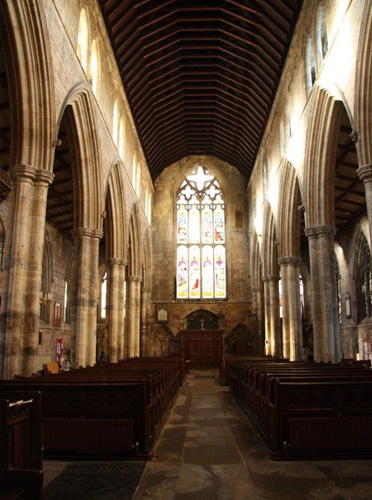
200	76
219	110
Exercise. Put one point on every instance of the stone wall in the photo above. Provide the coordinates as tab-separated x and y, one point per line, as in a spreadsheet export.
237	308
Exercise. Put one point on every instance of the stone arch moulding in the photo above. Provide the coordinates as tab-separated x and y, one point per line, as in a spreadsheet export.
269	243
116	218
134	244
363	89
160	341
290	206
320	159
240	341
25	38
88	184
202	319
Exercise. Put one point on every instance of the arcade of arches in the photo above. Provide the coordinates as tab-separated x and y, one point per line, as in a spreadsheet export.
90	247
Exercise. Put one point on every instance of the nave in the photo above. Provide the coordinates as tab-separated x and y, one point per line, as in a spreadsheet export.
209	450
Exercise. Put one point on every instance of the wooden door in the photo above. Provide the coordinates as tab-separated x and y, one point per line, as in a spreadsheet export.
202	348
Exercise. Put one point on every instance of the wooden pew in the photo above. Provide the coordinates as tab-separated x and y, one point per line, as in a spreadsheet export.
304	409
21	474
115	410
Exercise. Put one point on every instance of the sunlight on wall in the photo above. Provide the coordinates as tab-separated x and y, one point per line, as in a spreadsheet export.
94	66
82	43
115	123
121	137
296	147
340	59
134	170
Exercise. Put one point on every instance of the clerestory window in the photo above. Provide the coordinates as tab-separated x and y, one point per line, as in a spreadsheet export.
201	238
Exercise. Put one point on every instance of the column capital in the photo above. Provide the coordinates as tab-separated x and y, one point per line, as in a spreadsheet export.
44	177
365	173
22	172
272	277
315	232
97	233
114	261
83	232
27	173
136	279
286	261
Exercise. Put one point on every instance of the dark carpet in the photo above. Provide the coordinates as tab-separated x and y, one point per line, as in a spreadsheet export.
96	481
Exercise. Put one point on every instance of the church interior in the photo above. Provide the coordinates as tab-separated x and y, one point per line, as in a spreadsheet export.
188	185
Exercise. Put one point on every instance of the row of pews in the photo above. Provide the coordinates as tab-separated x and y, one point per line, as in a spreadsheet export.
306	410
109	411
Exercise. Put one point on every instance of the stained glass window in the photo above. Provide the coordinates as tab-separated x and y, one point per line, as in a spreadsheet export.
201	252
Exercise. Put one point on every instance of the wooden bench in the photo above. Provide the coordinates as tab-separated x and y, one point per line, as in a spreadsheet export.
304	409
115	410
21	475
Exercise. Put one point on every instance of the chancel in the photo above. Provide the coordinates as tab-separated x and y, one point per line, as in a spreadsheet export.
185	246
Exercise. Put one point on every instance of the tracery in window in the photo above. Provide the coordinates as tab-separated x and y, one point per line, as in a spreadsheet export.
103	296
339	290
201	241
365	280
321	34
310	65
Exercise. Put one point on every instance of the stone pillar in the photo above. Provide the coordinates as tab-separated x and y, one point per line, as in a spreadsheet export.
291	308
115	302
272	319
365	174
145	298
134	315
122	346
259	310
93	298
84	266
23	301
325	327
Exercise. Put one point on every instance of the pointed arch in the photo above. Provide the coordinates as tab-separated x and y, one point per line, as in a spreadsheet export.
269	243
290	205
88	187
255	259
363	88
134	244
116	227
147	260
28	58
320	159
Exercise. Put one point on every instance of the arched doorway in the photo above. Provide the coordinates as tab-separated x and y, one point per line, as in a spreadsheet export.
202	342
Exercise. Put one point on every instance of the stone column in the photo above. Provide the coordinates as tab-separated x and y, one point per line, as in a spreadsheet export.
325	328
272	320
134	315
43	179
365	174
115	302
259	310
145	298
122	347
23	308
291	308
84	236
94	284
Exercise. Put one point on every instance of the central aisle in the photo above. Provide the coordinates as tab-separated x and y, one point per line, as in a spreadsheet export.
209	450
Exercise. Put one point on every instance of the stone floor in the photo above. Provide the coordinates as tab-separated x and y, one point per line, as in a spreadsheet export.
209	450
